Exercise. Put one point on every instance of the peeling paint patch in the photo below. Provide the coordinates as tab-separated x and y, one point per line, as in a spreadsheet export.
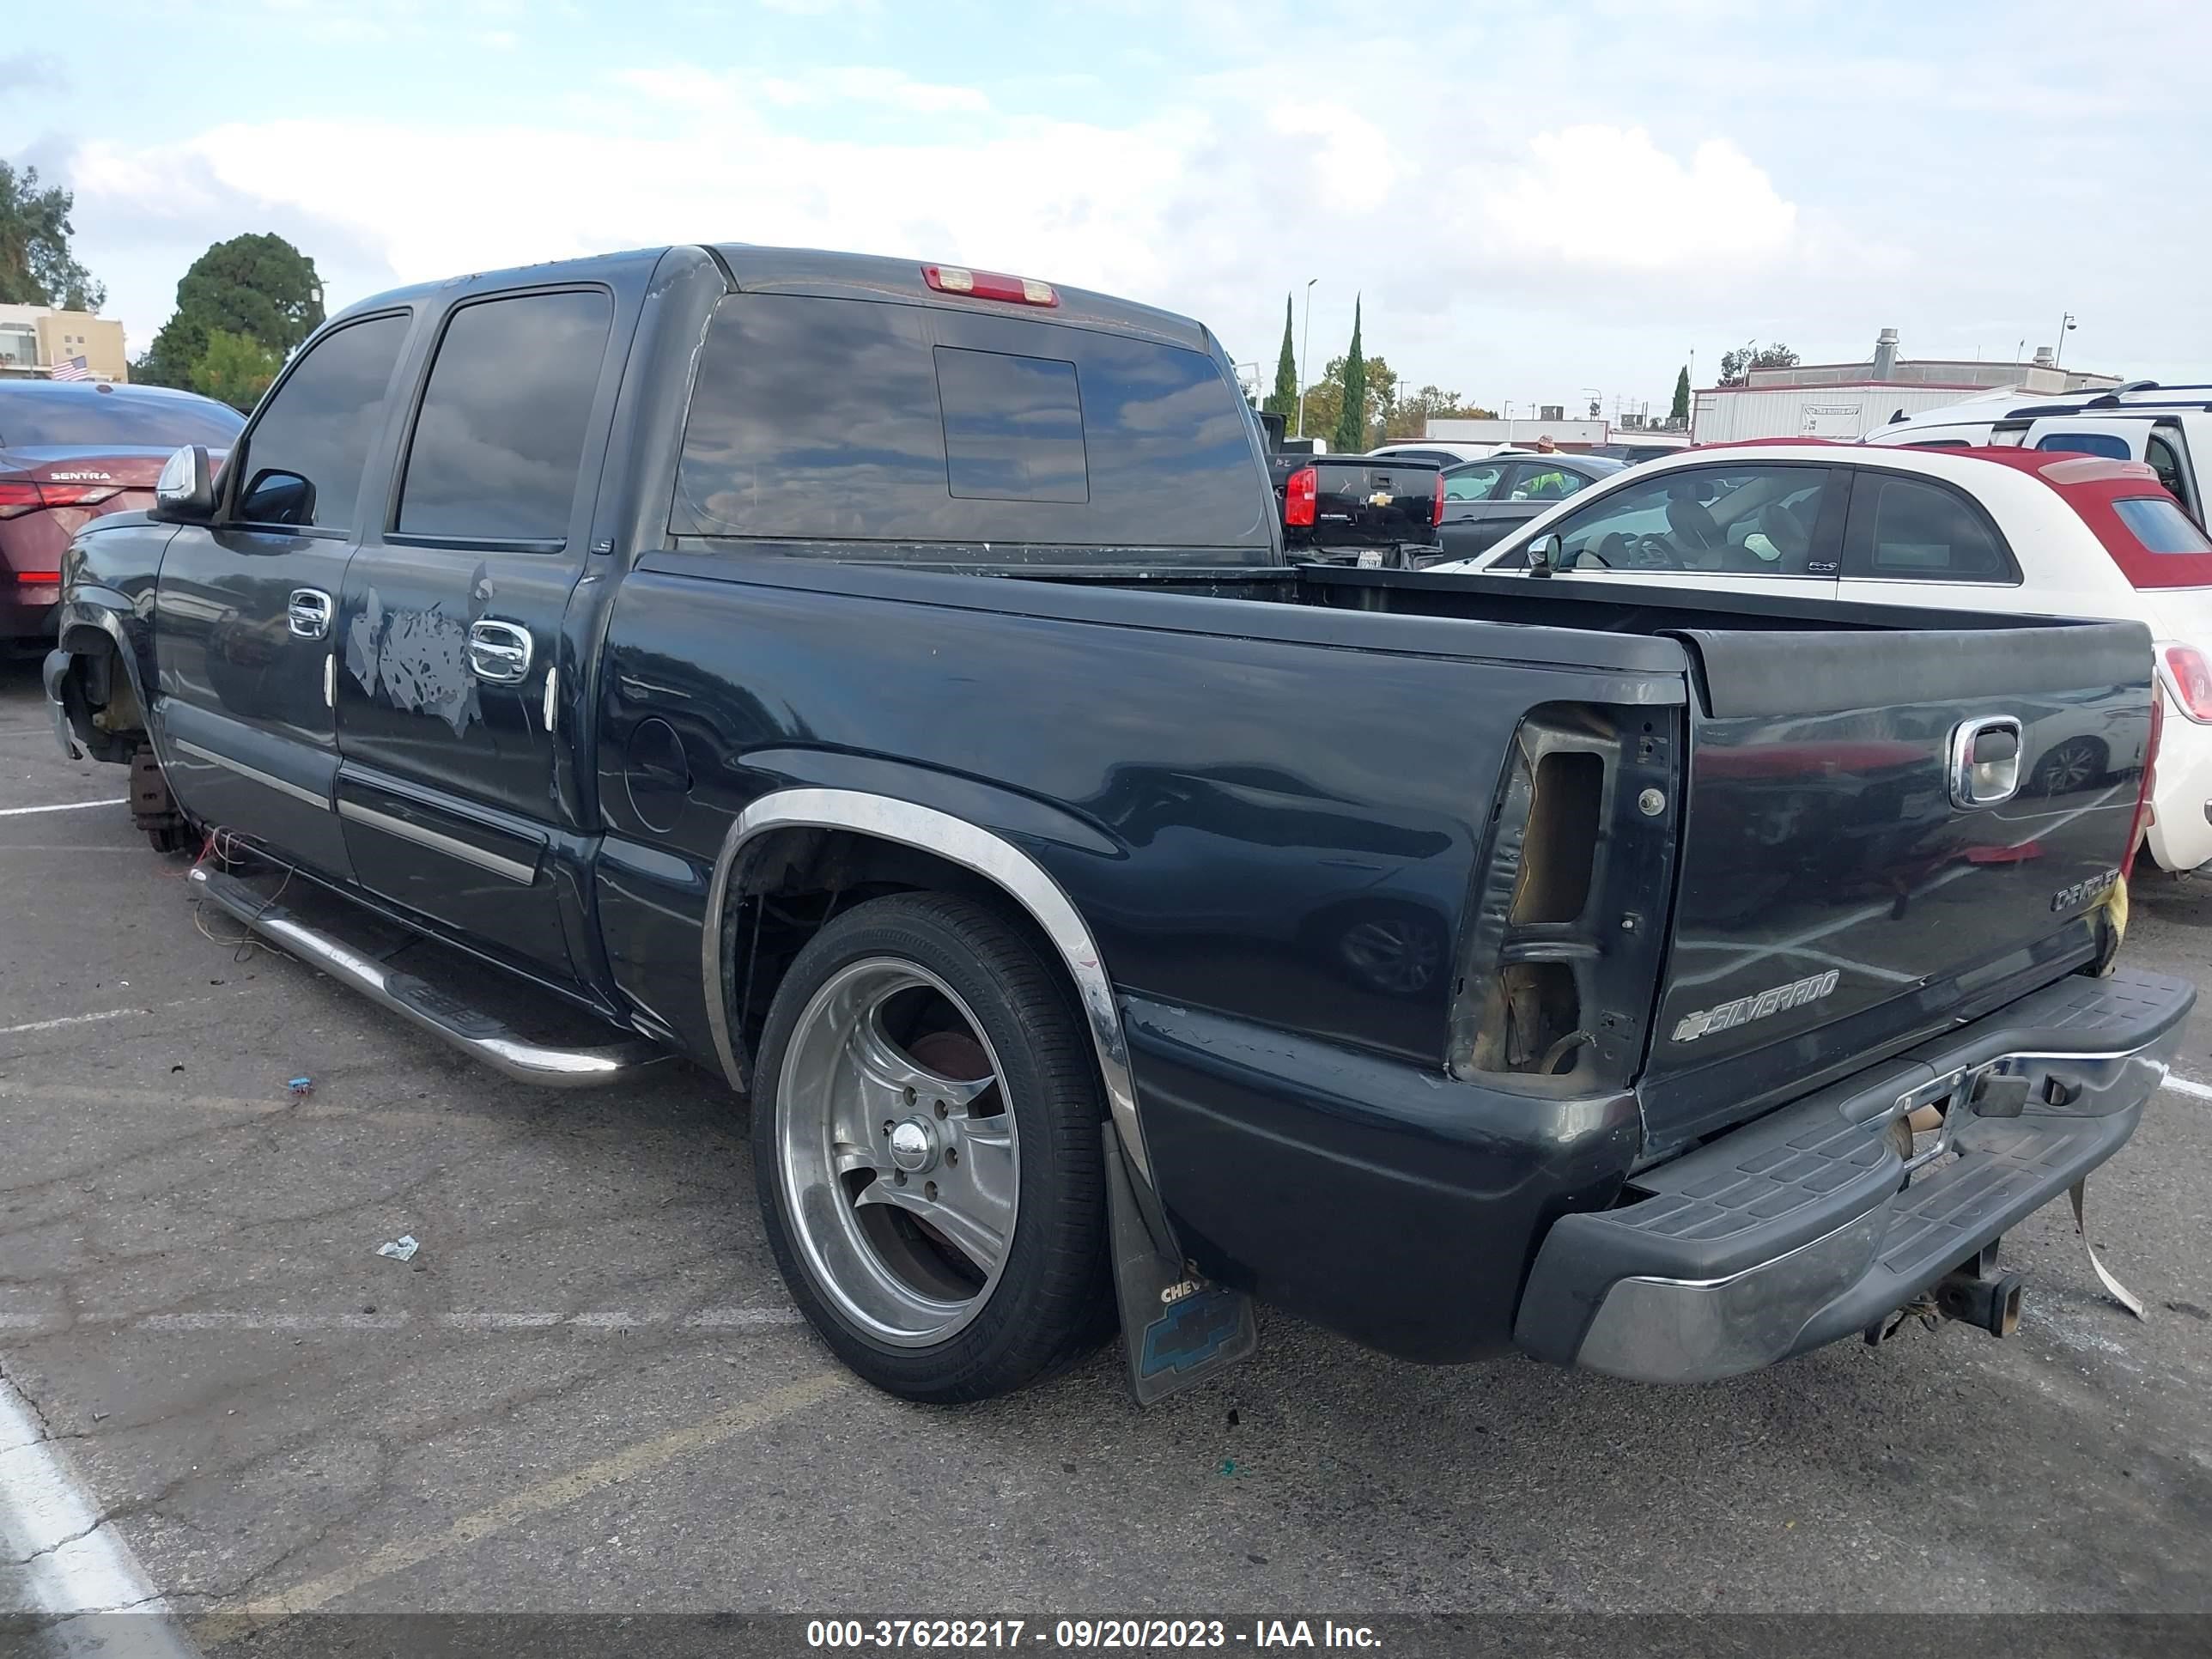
416	660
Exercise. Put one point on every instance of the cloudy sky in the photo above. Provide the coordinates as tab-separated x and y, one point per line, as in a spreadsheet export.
1536	201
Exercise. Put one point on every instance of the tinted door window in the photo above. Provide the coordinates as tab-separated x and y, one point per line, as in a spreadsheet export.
500	432
304	457
1475	482
818	420
1732	521
2085	443
1912	530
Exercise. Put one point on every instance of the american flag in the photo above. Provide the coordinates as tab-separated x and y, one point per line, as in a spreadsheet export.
74	369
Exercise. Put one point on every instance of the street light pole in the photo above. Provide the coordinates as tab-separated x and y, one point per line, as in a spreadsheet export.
2058	351
1305	356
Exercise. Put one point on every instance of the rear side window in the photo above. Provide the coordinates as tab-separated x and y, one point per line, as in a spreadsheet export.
819	420
2085	443
2158	523
85	417
1911	530
501	432
1475	482
304	458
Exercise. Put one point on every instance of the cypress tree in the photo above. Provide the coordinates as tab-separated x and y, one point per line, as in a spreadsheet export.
1284	402
1352	425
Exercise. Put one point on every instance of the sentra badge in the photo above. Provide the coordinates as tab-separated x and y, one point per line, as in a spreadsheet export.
1744	1010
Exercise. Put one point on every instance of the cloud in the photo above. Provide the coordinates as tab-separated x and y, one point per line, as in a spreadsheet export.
1610	198
1529	203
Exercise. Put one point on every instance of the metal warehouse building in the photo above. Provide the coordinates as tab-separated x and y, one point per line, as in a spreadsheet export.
1848	400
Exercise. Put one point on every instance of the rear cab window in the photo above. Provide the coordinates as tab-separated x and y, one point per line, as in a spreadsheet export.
817	420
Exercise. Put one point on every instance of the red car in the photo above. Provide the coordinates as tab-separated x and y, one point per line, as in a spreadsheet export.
70	451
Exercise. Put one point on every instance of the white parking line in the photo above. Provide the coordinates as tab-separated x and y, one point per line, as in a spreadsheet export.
72	1561
2189	1086
63	806
70	1019
707	1319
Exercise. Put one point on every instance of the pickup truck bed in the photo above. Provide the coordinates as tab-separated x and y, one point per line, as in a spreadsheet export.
1403	951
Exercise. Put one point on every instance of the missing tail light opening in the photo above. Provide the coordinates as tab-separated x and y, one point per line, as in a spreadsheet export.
2143	809
1554	974
1562	839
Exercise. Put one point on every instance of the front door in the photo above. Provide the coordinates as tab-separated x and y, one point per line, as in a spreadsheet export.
246	608
450	625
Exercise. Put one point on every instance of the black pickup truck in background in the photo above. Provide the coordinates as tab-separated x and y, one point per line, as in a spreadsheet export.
885	684
1373	512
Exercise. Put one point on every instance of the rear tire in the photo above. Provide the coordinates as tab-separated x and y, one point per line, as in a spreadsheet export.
925	1144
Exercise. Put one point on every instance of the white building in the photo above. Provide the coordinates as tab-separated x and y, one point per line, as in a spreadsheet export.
1848	400
1567	434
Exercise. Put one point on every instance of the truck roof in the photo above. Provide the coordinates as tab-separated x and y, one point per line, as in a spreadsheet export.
832	275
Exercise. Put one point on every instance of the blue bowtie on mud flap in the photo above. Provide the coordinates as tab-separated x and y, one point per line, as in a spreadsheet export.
1176	1328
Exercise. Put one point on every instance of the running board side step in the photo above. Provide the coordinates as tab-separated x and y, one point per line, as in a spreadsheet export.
438	1012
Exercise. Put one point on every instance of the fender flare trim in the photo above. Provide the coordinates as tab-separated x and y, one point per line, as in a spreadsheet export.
989	855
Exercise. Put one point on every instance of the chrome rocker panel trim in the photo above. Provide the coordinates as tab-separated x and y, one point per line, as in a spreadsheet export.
482	1038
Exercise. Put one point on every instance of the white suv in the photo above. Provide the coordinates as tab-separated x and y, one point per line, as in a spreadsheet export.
2168	427
1985	529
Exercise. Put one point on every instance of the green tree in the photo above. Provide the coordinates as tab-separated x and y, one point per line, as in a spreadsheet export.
1736	366
36	265
1351	419
235	369
1410	415
1284	401
1325	396
259	287
1680	411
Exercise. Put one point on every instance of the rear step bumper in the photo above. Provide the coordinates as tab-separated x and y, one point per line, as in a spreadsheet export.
1792	1232
479	1034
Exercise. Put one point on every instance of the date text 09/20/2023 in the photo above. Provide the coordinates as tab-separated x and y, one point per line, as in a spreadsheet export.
1086	1633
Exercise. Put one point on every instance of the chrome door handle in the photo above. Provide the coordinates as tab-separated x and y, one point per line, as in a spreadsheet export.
309	613
500	652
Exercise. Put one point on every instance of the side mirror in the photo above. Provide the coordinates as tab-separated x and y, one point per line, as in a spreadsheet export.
184	493
1545	554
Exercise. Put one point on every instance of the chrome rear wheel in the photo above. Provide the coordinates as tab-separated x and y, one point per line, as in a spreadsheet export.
900	1159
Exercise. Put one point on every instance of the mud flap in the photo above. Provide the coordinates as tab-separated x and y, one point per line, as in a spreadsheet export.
1177	1329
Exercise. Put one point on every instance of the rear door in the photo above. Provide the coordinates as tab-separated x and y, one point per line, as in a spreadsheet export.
1845	891
246	608
451	792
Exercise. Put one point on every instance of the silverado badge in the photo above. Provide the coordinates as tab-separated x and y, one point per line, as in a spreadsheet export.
1744	1010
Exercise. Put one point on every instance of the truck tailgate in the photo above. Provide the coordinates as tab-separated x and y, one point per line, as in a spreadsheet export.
1842	894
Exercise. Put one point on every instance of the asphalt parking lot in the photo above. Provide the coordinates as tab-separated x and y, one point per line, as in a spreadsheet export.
588	1391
